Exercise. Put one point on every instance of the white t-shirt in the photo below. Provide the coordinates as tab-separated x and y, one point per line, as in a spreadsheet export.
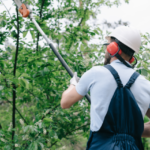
102	85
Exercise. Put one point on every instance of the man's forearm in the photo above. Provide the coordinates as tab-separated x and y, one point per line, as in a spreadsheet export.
146	132
69	97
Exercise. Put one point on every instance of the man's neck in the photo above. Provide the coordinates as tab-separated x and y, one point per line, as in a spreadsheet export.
115	58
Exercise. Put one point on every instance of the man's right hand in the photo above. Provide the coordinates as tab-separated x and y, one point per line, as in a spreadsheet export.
146	132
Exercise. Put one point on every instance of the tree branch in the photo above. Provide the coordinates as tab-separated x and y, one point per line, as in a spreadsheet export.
14	86
38	34
80	23
16	110
22	116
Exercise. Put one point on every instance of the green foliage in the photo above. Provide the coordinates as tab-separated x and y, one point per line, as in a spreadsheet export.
143	68
40	78
143	57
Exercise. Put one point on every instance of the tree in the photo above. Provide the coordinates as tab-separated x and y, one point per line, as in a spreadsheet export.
33	76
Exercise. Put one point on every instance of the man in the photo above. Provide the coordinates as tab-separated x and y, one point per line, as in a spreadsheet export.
120	97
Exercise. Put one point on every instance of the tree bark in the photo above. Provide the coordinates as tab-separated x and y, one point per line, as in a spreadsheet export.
14	86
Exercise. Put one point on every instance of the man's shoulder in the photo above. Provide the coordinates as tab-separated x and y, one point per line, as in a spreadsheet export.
98	69
142	79
142	84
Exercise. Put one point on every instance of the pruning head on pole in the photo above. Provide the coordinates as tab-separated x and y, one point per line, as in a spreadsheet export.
22	8
24	11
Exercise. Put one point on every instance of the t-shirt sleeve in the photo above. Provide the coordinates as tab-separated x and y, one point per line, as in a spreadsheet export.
85	82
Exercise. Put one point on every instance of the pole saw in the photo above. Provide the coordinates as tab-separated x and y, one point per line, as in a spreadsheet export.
25	10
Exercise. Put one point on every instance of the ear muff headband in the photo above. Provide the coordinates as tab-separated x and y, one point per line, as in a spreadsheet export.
113	48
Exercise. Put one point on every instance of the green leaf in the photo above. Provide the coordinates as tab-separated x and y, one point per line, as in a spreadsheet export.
25	75
139	65
33	146
41	145
14	34
3	23
2	64
25	33
24	83
82	47
144	72
46	70
47	120
30	2
33	35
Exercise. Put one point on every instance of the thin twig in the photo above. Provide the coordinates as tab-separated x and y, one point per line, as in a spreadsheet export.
22	116
17	111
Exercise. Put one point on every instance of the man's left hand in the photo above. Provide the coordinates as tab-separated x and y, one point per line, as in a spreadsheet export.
75	79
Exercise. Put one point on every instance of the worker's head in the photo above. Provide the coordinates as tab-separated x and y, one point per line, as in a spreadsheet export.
128	40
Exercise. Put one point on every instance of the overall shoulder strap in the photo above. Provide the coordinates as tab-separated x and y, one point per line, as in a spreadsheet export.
115	74
132	79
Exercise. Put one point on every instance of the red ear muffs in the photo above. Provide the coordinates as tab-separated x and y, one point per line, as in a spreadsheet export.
131	60
113	49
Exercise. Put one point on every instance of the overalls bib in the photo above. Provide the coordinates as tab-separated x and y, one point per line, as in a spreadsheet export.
123	124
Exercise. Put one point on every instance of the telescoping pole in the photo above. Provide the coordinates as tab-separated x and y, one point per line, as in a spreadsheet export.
56	52
26	13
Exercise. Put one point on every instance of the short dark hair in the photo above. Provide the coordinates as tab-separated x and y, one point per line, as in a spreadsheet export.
127	50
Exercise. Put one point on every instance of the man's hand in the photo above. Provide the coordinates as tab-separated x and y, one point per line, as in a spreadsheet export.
70	96
75	79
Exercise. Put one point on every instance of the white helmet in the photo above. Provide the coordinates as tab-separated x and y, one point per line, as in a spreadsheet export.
128	36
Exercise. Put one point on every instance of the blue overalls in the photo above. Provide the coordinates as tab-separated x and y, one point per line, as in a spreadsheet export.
123	124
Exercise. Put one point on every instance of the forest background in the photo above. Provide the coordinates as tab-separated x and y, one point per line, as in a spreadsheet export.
32	79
